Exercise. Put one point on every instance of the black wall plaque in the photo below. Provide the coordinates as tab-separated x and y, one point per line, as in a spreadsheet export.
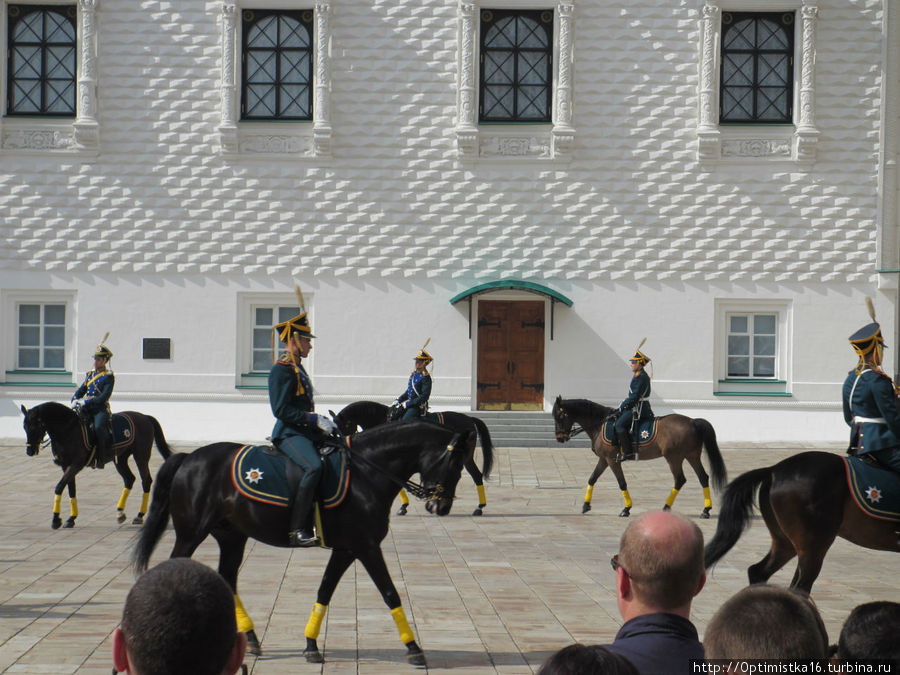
157	348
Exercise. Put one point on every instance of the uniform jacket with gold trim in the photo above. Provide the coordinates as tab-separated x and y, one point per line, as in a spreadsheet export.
873	398
291	399
96	390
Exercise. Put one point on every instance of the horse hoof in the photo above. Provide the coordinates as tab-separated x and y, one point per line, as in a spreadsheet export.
253	643
402	510
666	507
138	520
478	512
417	659
120	517
56	523
70	522
705	514
586	507
625	512
313	656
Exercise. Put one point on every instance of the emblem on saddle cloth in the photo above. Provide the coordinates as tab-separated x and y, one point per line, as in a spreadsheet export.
646	432
259	473
876	491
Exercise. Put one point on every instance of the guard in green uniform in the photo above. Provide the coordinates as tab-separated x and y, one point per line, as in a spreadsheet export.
636	407
92	398
298	427
870	400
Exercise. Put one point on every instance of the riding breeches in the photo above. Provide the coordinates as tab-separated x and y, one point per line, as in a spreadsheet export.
890	458
412	413
301	451
623	424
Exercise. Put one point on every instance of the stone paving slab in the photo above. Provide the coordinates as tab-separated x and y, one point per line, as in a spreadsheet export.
495	594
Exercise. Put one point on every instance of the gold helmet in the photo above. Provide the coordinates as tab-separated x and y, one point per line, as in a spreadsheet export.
423	355
639	356
297	326
868	338
102	350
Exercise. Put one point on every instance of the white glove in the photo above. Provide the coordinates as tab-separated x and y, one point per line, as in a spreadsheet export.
325	424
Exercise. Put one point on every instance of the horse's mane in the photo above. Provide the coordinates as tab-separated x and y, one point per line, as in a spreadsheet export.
388	439
576	406
55	408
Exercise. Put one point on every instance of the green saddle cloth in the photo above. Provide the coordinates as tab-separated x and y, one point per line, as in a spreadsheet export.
646	432
259	473
875	490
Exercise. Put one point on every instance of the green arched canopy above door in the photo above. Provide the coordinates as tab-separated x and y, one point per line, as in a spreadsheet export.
512	284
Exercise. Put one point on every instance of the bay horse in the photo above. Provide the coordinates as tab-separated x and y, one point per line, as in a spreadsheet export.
196	490
368	414
806	504
71	451
678	438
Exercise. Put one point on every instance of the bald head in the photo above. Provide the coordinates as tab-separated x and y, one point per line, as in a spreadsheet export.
662	553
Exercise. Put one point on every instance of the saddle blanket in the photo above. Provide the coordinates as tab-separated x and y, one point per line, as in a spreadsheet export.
122	430
259	472
646	432
875	490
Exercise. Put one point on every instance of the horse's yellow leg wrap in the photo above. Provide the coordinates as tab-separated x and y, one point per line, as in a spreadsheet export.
123	499
57	501
244	622
406	634
671	498
707	501
627	498
144	501
482	499
588	494
315	620
73	507
404	498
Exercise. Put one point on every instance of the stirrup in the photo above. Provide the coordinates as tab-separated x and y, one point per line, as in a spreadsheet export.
301	539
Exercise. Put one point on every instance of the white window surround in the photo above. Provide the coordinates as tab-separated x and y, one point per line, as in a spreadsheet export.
10	299
275	140
36	135
739	143
780	384
514	141
245	378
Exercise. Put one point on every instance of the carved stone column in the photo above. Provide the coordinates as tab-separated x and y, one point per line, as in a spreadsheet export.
86	128
563	133
709	141
807	135
467	97
322	96
228	131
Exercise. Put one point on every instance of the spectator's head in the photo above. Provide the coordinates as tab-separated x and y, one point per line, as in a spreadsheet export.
766	622
659	566
870	632
579	659
179	620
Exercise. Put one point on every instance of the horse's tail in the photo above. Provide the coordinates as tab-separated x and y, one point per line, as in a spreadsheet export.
716	463
158	517
160	439
734	516
487	446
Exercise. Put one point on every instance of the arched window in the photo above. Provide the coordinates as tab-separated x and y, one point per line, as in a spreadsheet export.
277	65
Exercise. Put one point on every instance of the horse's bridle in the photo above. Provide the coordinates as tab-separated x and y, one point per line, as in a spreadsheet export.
574	429
40	444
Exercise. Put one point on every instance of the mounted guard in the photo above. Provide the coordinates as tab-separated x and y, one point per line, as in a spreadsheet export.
636	407
413	402
870	400
91	402
298	428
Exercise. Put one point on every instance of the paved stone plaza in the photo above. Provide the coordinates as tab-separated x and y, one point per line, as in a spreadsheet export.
494	594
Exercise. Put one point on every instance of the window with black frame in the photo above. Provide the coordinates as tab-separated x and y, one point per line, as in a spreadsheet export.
516	60
277	55
42	60
757	75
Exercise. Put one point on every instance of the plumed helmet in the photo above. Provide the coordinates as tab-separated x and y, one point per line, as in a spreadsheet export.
102	350
423	355
869	336
299	325
639	356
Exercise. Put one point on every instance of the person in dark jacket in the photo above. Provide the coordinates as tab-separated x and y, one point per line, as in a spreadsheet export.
636	406
414	400
92	399
659	570
298	427
870	400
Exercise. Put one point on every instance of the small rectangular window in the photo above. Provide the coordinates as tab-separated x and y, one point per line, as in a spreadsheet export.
41	336
752	340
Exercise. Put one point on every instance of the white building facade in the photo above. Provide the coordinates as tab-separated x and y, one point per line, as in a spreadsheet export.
535	185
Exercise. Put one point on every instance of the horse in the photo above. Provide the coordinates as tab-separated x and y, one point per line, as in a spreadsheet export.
678	438
806	504
71	451
368	414
197	491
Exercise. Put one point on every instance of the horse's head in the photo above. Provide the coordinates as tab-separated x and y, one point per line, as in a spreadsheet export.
562	421
344	424
34	431
444	467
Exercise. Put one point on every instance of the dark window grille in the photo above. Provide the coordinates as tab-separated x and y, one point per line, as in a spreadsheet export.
516	60
277	65
41	60
757	68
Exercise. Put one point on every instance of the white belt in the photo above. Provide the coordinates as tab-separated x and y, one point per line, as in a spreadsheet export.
869	420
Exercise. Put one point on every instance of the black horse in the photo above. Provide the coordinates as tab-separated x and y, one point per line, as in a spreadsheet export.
198	492
678	438
369	414
71	451
806	504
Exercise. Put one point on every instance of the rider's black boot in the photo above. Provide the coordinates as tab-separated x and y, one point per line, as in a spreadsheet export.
299	532
626	448
104	451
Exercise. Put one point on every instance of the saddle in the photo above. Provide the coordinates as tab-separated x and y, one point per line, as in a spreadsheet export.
643	433
874	489
120	427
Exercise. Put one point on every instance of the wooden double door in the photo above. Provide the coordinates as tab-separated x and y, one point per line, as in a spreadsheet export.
510	355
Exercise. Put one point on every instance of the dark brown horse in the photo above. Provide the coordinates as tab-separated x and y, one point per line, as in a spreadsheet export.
198	492
806	504
69	445
369	414
678	438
